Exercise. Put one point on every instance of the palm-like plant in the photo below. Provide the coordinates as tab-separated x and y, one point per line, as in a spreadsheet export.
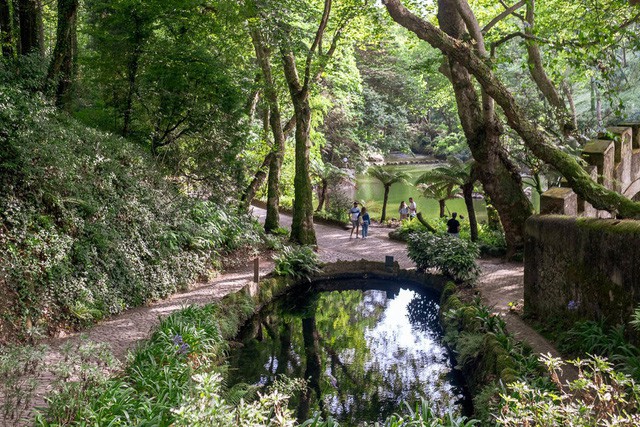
387	178
458	176
325	174
440	192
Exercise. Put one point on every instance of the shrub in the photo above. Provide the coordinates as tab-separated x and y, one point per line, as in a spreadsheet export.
338	206
299	262
600	396
454	257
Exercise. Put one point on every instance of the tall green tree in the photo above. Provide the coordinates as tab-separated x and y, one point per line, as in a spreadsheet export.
63	61
387	178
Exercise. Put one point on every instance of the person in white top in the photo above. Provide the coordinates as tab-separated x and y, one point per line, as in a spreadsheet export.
413	208
354	214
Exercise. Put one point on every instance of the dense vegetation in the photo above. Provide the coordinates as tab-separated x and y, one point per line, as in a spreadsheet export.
134	134
90	224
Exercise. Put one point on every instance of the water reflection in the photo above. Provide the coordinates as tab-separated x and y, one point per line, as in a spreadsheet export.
363	353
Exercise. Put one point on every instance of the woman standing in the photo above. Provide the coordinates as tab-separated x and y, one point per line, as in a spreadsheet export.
403	211
366	220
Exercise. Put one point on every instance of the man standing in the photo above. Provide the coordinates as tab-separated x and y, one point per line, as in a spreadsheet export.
413	208
453	225
354	212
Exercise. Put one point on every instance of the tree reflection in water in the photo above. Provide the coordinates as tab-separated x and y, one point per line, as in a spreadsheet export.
362	352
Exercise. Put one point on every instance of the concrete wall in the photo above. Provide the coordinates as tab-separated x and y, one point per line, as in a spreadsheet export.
593	262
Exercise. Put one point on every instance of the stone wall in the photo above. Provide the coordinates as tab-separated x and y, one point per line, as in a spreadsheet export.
582	266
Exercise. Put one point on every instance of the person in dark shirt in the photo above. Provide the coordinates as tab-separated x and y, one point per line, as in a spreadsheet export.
453	225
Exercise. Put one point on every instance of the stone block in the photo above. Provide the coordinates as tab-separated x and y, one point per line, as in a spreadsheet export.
623	160
559	200
601	154
635	164
635	129
585	208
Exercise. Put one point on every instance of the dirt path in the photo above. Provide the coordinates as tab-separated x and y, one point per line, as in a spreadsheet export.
499	284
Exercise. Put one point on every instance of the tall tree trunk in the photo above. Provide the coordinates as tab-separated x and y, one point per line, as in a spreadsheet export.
302	230
31	27
384	203
323	194
249	193
132	74
6	29
467	192
272	221
62	66
443	206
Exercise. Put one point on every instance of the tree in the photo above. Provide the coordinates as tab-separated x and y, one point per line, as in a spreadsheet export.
467	57
387	178
62	67
7	42
31	29
325	173
446	180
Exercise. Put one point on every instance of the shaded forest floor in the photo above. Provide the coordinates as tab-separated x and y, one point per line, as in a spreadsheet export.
500	283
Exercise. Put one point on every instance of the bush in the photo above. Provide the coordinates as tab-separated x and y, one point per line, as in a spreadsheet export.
453	256
299	262
600	396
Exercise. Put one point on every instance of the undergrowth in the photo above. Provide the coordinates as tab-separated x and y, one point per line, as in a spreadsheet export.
90	226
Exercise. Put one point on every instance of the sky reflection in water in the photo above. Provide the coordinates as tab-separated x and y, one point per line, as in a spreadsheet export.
365	352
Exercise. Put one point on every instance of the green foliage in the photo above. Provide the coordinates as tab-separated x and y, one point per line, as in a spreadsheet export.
299	262
19	368
454	257
423	416
90	225
600	396
590	337
491	242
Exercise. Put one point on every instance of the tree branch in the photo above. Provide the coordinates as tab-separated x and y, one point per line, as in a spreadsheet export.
317	41
508	11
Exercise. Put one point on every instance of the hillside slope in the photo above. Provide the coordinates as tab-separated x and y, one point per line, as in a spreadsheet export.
90	226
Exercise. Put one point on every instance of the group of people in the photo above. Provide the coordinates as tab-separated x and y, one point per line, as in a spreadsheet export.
408	211
359	217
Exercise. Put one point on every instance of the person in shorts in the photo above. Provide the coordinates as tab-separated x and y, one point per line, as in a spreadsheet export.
354	214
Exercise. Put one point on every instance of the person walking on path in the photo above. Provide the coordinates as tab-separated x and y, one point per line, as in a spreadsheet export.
413	208
366	220
355	219
453	225
403	211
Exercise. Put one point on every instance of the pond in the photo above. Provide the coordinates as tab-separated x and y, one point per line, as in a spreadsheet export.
371	192
364	352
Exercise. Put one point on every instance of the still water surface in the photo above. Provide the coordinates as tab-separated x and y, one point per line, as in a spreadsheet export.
364	353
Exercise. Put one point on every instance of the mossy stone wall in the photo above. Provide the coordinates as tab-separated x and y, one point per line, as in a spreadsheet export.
582	267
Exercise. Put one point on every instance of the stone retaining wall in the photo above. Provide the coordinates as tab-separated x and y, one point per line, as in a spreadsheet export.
582	266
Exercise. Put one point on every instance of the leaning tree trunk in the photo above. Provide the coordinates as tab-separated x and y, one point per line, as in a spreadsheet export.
384	203
482	129
467	192
578	179
31	28
443	207
6	29
62	66
314	365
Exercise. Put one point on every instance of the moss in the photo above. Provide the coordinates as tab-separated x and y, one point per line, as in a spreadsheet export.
508	375
449	289
616	226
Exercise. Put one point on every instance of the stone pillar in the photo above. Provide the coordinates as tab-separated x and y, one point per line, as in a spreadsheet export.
622	137
635	129
559	201
601	154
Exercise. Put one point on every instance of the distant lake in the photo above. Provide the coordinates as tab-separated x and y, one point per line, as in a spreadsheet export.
371	192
